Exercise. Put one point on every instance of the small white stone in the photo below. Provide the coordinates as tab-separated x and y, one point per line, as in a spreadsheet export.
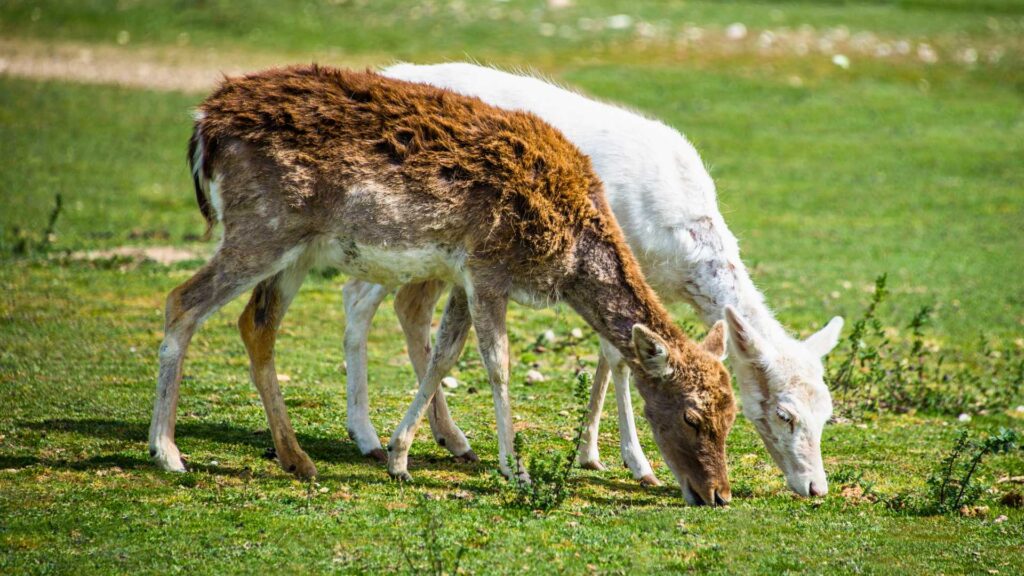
1020	409
559	4
842	61
736	31
576	333
449	382
620	21
927	54
283	378
548	336
965	417
214	463
533	376
1000	519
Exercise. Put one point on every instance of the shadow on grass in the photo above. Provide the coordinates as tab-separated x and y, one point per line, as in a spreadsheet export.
616	492
318	448
326	450
603	491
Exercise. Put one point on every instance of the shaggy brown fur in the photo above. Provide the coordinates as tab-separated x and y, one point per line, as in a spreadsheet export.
311	154
522	186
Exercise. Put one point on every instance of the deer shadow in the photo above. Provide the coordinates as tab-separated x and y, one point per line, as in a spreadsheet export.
319	448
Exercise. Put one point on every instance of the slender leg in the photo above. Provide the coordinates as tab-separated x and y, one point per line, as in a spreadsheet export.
629	443
258	325
451	338
361	302
492	337
215	284
414	304
589	456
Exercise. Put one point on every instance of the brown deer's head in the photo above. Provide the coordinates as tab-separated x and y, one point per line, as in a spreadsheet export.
689	403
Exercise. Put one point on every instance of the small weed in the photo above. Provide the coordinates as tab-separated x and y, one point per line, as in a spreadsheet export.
953	484
25	243
549	473
436	550
880	374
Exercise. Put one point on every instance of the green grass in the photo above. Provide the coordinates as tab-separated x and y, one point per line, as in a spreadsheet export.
907	169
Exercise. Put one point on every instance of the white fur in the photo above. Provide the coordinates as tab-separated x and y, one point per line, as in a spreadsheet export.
665	202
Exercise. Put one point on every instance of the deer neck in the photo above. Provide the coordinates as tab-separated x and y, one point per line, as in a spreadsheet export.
609	292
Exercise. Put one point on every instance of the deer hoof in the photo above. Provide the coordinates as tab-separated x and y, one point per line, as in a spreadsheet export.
649	481
402	476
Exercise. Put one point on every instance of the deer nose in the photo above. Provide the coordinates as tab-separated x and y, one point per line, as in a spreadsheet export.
814	490
720	500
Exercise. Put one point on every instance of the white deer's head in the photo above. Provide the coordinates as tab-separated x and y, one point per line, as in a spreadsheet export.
784	395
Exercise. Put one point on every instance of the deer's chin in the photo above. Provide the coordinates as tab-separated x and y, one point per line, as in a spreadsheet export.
691	496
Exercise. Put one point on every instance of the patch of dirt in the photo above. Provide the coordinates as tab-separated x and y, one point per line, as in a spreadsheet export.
165	255
178	68
854	493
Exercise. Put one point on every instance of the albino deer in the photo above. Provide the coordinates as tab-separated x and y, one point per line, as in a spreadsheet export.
664	199
398	183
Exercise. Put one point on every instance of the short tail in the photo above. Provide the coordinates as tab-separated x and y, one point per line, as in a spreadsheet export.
200	178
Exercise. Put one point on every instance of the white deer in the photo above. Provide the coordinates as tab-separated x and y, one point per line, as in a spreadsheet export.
664	199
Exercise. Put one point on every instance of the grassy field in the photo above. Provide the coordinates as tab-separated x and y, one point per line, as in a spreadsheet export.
830	176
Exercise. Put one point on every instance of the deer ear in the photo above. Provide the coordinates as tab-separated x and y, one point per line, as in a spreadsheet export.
823	341
714	342
651	351
747	344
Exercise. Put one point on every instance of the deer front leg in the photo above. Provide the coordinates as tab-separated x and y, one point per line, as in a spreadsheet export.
629	443
489	313
259	324
589	454
361	302
414	305
451	338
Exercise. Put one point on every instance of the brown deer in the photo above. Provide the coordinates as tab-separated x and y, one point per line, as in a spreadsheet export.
395	182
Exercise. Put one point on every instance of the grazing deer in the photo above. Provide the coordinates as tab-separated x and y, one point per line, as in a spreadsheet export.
665	201
398	183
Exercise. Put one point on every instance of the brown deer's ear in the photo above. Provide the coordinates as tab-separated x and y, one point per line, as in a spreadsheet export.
651	351
714	342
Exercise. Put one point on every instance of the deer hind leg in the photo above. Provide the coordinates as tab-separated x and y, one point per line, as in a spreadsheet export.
451	339
589	454
258	325
361	302
414	304
215	284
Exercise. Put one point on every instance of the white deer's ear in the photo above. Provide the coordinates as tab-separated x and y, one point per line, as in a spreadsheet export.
823	341
652	352
714	342
746	343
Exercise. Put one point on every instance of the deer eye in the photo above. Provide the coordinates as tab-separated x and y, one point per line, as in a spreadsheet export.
784	416
691	421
